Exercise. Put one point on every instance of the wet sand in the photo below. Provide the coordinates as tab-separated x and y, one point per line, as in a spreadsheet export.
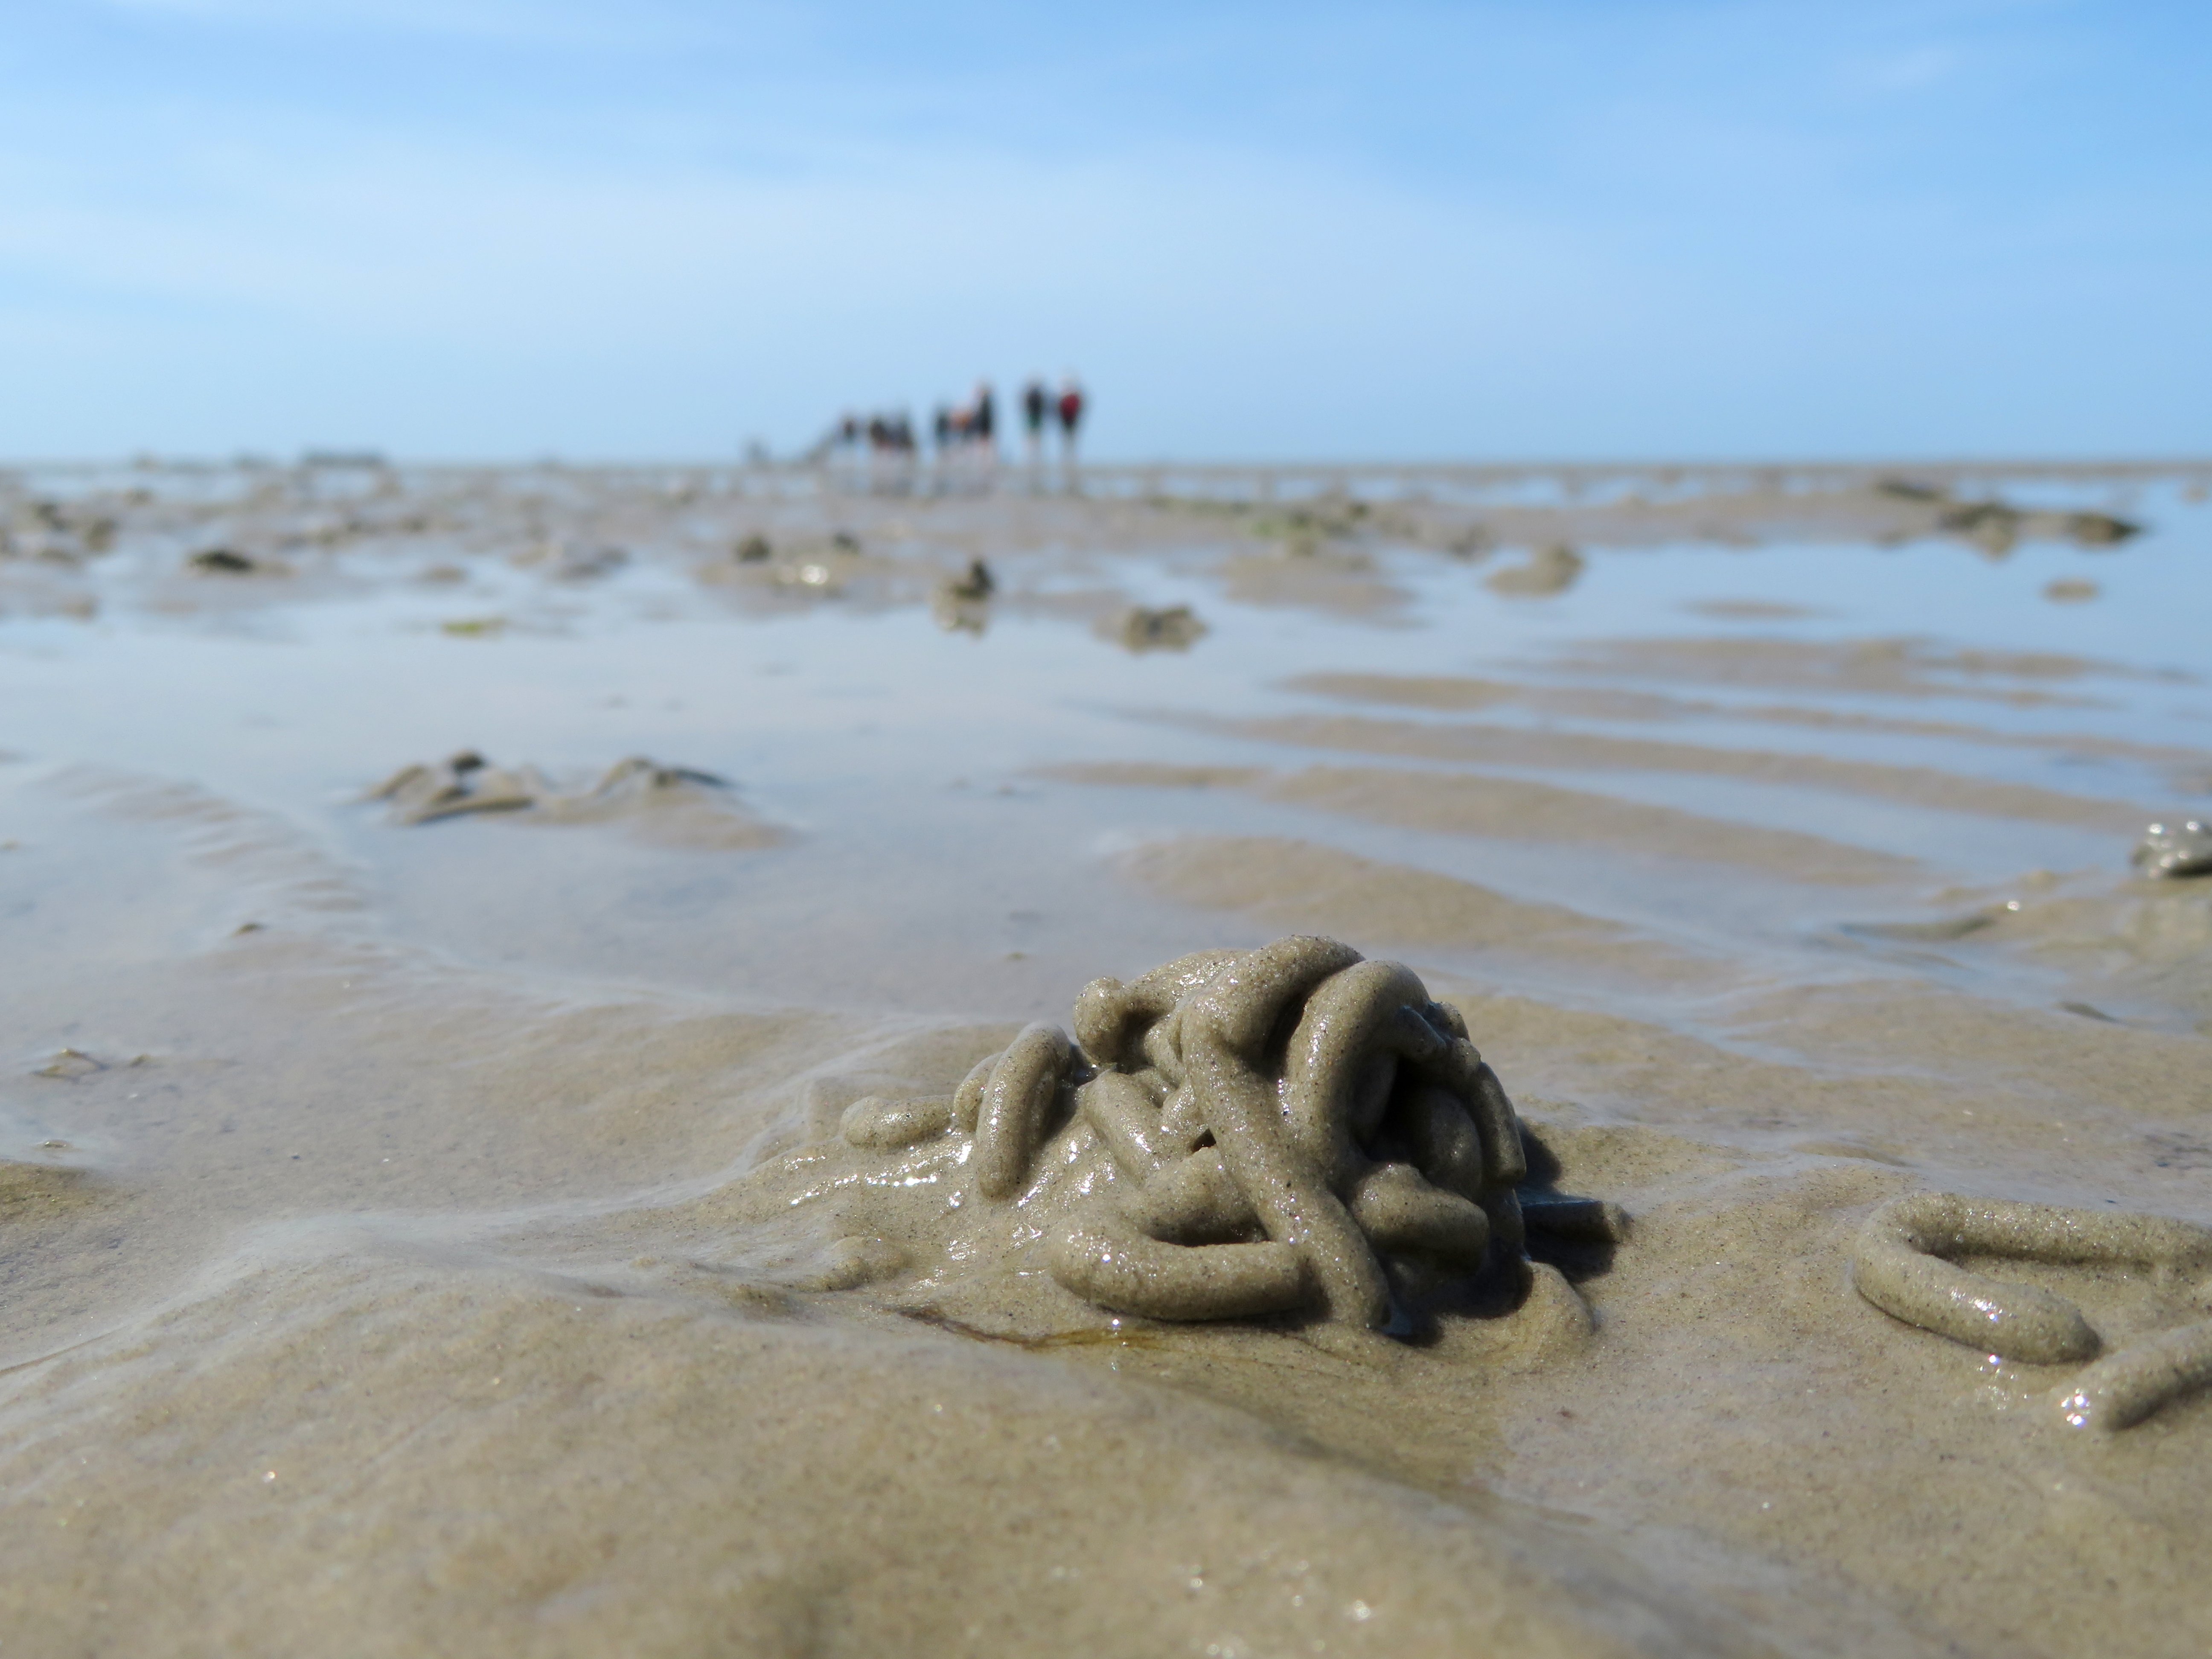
426	1225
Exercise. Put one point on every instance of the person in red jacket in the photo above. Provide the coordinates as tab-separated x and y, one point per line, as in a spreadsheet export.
1071	421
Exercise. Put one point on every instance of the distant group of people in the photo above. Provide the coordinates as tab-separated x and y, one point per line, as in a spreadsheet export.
885	434
964	436
972	428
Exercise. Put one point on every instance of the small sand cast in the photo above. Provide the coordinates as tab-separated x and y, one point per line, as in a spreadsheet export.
467	782
1288	1128
1899	1266
676	804
2175	849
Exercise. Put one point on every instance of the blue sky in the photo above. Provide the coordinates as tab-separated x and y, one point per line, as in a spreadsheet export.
657	227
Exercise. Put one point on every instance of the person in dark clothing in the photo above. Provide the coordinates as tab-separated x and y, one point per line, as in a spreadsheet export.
983	421
1037	403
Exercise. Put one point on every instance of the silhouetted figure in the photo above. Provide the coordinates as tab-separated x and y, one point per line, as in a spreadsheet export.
940	432
982	421
848	441
981	436
1036	404
1071	406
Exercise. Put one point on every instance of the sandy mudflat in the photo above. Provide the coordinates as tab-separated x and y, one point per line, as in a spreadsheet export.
426	1221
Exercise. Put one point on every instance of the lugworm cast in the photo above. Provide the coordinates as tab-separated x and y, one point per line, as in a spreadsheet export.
1009	1123
1118	1268
883	1126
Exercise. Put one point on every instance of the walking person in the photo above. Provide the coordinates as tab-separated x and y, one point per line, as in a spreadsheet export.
1070	423
905	449
849	447
941	429
982	427
1036	404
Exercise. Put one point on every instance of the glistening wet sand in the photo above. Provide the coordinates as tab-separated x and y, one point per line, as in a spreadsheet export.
438	1237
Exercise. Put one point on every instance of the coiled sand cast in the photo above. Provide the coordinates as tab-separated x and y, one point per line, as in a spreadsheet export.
1902	1265
1291	1127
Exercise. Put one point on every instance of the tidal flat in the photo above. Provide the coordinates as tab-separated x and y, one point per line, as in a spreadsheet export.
486	951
